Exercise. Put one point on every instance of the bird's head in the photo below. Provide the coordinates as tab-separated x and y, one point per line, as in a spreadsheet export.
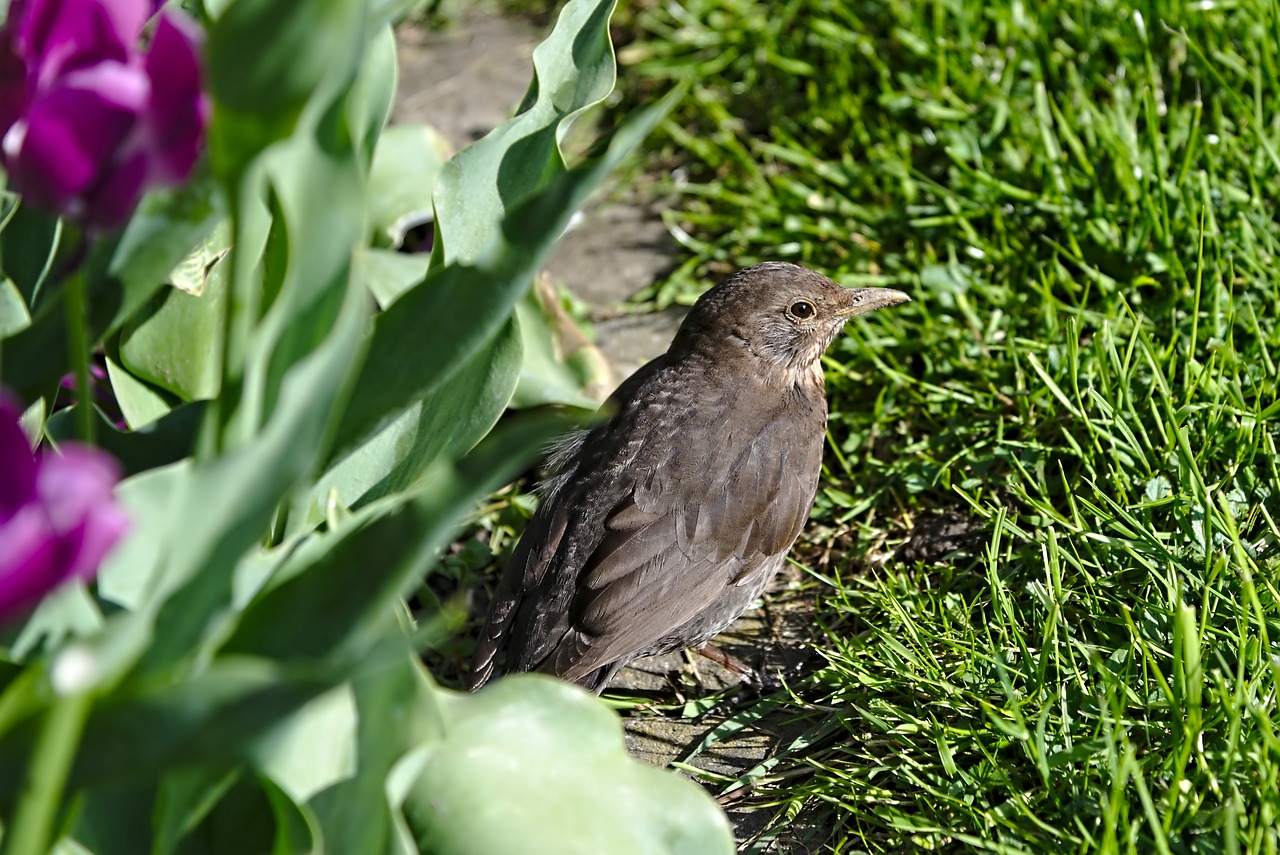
777	314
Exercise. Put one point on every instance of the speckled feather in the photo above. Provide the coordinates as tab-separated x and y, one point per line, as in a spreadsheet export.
658	527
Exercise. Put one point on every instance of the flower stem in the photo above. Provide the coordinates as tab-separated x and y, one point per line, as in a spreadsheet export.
77	335
51	761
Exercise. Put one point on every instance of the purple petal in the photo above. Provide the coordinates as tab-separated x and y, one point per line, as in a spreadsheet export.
105	524
18	486
29	562
55	36
128	16
76	489
178	111
73	483
17	8
62	529
70	134
96	373
108	205
121	84
87	122
13	84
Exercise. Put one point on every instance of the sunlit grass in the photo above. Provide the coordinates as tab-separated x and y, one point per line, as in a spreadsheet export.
1080	197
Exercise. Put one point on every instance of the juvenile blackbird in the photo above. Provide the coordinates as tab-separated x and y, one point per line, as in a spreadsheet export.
658	526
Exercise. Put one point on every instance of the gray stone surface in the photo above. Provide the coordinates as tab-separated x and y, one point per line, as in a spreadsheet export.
464	80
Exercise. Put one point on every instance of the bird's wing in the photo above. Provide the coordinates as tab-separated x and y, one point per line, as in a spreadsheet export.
533	554
698	523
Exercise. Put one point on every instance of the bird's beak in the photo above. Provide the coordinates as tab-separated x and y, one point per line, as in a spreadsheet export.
863	300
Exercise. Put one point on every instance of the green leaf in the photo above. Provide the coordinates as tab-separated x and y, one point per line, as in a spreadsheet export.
374	93
131	569
457	415
536	765
573	70
176	342
123	275
422	358
212	718
224	505
561	365
387	274
192	273
165	229
14	317
160	443
183	799
395	711
281	308
287	752
139	403
329	599
418	342
266	58
28	246
68	612
406	163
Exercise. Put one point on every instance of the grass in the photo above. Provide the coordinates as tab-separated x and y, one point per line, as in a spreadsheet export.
1080	197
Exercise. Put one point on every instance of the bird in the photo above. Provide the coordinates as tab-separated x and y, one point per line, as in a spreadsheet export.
660	524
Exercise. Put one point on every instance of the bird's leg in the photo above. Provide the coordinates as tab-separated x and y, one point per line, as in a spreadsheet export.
727	660
756	678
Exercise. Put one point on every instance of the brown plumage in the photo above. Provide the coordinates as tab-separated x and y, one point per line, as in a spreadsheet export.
661	524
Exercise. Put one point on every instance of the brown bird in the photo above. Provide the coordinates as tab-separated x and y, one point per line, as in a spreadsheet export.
661	524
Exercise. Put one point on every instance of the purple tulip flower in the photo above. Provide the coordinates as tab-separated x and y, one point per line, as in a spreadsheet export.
88	121
58	517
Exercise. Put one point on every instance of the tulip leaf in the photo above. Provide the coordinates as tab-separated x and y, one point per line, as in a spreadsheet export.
213	718
192	273
166	440
448	424
419	340
406	163
28	246
374	93
340	584
123	275
68	612
573	70
184	798
202	526
129	570
299	52
14	317
139	403
175	343
387	273
396	709
561	365
286	753
428	339
521	765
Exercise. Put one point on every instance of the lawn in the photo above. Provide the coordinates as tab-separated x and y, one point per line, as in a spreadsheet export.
241	419
1052	491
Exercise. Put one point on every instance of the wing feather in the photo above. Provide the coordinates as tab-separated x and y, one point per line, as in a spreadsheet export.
640	534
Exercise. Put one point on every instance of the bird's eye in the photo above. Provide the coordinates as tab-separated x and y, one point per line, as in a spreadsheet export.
802	310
